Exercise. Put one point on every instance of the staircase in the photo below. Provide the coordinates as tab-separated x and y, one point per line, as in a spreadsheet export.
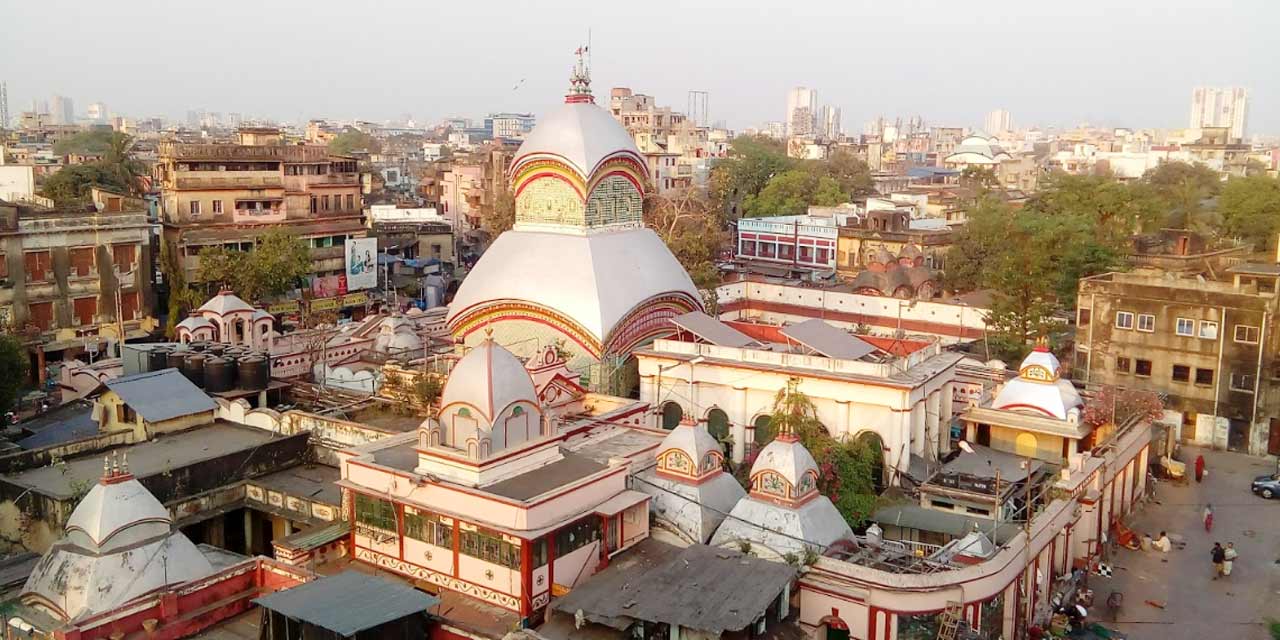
950	620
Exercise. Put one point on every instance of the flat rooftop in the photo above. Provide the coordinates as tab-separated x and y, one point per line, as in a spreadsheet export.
571	468
314	482
147	458
619	442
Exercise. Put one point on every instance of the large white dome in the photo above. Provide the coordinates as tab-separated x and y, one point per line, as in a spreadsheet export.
488	379
579	133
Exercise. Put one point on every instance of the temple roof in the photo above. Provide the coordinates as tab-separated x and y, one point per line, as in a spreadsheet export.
226	302
1039	388
489	378
595	280
579	133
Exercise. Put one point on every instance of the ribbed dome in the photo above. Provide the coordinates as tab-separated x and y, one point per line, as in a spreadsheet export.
581	134
115	515
226	302
1038	388
488	379
786	457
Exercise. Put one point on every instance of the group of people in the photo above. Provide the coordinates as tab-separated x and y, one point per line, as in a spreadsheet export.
1223	559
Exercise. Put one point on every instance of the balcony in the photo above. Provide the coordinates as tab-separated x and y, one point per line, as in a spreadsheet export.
229	182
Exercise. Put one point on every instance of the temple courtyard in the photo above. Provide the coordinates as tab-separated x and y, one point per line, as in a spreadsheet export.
1195	606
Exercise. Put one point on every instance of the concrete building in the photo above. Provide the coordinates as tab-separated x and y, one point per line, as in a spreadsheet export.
886	235
509	125
63	110
17	182
998	122
76	277
802	112
230	194
801	243
899	401
1209	345
828	122
1221	107
98	112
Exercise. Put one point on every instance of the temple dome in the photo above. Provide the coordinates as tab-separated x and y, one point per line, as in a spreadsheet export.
790	460
488	379
119	545
1039	388
690	452
579	133
226	302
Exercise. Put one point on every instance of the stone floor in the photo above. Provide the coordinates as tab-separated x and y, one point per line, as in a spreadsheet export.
1197	607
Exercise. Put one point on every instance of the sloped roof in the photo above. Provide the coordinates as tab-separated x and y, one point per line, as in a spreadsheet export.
349	602
712	330
161	395
109	510
595	280
489	378
226	302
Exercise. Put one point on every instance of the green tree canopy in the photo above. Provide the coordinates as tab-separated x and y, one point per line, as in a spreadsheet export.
1183	188
688	222
277	263
850	172
792	192
752	163
71	185
501	216
13	370
1250	209
352	140
86	142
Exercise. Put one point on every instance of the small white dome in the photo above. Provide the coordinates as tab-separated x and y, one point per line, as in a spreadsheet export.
580	133
193	323
117	514
226	302
1039	388
789	459
488	379
689	451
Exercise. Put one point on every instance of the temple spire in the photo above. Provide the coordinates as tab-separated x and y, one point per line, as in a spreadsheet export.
580	79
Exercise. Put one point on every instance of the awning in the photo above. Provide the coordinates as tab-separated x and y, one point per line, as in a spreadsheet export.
621	502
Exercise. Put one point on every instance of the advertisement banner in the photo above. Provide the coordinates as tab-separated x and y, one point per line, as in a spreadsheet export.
362	263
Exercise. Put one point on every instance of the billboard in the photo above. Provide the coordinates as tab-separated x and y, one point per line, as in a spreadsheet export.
362	263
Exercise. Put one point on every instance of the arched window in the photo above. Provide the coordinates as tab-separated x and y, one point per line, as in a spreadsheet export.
763	432
875	446
718	424
518	411
464	412
671	415
1025	445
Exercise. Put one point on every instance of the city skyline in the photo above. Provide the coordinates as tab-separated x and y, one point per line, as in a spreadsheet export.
1029	63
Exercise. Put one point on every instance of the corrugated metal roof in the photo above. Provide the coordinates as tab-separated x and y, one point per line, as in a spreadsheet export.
348	602
712	330
827	340
161	395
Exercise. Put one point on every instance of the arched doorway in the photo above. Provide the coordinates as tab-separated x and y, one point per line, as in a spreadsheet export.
718	425
875	447
1025	445
671	415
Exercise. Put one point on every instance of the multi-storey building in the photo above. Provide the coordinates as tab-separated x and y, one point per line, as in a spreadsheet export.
802	111
229	194
1210	345
509	125
998	122
73	278
1224	107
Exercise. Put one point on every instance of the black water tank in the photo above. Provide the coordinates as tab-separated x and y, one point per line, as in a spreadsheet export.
198	346
219	375
157	358
173	360
253	372
216	348
193	368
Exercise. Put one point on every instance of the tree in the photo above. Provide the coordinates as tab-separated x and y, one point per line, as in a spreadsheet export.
1112	405
71	185
182	298
353	140
1250	209
846	470
118	163
983	177
277	263
688	223
851	173
1183	188
792	193
752	163
90	142
501	216
13	370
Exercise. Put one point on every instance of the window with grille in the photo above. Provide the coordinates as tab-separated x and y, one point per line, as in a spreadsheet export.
1142	368
427	527
1243	382
38	265
375	512
1181	373
577	535
1204	376
490	547
122	256
1246	334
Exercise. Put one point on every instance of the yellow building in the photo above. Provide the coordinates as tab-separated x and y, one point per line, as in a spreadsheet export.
151	403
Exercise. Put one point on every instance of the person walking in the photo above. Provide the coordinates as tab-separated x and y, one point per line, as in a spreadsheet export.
1228	558
1199	468
1208	518
1219	556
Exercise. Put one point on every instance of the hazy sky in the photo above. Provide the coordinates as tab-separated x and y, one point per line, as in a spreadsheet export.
1048	62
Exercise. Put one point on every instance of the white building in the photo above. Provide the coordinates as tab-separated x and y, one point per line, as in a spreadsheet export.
64	111
999	121
719	375
802	111
17	182
98	112
391	213
829	122
1220	107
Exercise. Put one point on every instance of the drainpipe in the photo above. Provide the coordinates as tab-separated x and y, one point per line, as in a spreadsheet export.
1217	381
1257	374
1088	357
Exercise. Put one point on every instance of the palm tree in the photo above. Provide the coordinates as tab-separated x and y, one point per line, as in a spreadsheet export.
119	164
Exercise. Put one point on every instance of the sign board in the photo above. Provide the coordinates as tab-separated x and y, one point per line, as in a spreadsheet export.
354	299
362	263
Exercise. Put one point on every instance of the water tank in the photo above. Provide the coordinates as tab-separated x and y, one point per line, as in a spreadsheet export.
173	360
198	346
253	372
157	358
193	368
215	348
219	375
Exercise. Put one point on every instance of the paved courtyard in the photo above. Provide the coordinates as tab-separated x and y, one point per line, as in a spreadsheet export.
1197	607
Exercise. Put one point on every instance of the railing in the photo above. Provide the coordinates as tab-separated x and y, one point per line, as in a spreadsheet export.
245	182
776	359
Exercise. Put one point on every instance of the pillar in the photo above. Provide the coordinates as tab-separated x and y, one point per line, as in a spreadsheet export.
917	417
739	423
842	426
946	410
933	423
248	532
647	391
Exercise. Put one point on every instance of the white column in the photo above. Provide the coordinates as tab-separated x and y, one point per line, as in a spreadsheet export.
739	423
917	428
843	429
933	423
647	392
